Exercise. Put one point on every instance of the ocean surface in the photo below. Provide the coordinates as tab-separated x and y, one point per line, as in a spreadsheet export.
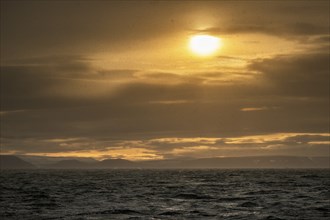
165	194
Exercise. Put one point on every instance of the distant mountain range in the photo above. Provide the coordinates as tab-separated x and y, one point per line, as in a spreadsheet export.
16	162
13	162
44	160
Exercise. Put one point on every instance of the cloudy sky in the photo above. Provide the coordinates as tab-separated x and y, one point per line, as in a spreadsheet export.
117	79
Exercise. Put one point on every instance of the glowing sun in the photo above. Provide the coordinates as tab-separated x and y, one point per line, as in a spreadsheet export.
204	45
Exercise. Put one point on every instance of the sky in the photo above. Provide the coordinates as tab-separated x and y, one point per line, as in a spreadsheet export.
117	79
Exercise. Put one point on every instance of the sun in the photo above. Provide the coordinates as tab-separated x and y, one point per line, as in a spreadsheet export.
204	45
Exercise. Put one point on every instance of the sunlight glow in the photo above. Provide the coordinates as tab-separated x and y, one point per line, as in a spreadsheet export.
204	45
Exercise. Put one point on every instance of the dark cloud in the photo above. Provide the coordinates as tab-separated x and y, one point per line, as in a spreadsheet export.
303	139
56	82
296	30
40	27
296	75
33	28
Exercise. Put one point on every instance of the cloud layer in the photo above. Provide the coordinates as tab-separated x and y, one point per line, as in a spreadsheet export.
60	96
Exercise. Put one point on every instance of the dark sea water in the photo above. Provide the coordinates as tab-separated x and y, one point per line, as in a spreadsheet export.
165	194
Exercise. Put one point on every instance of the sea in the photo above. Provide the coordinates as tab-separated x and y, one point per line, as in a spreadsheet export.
165	194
